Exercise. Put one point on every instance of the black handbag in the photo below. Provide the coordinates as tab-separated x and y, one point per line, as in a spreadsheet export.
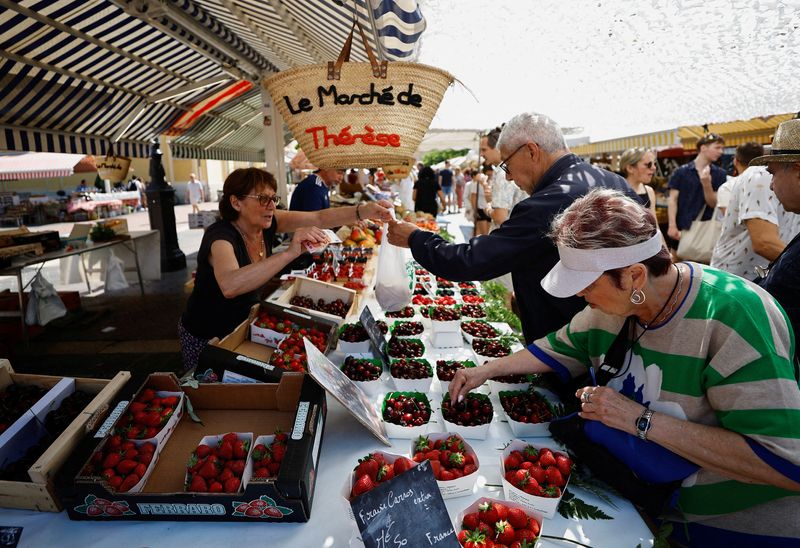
652	498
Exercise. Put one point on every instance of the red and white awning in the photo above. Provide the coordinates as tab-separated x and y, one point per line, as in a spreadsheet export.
37	165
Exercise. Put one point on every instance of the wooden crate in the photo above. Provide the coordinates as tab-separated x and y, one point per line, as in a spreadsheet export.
14	250
39	494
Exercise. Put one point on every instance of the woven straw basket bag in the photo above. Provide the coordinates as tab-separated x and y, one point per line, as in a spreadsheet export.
358	114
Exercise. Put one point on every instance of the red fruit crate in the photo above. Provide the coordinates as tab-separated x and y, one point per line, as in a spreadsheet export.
296	405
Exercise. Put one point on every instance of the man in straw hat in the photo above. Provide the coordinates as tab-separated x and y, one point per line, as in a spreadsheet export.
535	156
782	277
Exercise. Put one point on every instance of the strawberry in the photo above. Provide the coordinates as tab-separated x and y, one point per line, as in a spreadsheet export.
140	469
530	454
537	473
470	468
137	407
454	443
169	401
367	465
554	477
230	437
225	450
240	449
462	536
202	451
512	461
402	464
456	460
198	485
436	467
534	527
237	467
278	451
362	485
115	441
488	513
260	451
115	482
273	468
232	485
502	510
261	473
385	473
522	544
281	437
505	532
112	460
517	518
128	483
423	443
446	475
526	535
533	488
551	492
471	521
126	466
477	539
131	453
208	470
564	464
546	458
146	395
215	487
433	454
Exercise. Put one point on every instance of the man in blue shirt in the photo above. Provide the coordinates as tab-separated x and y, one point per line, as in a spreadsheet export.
694	186
312	193
446	182
783	279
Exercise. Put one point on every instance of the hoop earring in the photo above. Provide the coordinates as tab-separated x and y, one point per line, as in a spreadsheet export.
638	296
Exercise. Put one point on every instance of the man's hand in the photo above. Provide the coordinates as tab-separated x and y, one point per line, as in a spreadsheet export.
400	232
705	176
378	211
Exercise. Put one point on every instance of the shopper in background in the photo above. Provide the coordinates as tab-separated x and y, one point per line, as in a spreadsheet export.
313	192
235	259
426	189
446	184
194	190
460	184
693	186
705	392
505	194
638	165
480	199
782	276
349	186
537	159
756	227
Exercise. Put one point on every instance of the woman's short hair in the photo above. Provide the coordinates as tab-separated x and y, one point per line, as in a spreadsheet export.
240	183
606	218
631	157
532	126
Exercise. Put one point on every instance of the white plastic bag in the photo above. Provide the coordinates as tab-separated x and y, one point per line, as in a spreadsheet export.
115	273
44	304
394	285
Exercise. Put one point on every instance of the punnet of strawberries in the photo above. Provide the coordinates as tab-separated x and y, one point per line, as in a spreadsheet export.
405	348
362	369
374	469
411	369
444	301
472	311
421	272
406	312
495	525
291	352
267	459
265	320
466	285
539	472
474	410
421	300
480	329
406	408
147	415
217	468
472	299
526	407
446	369
450	458
121	463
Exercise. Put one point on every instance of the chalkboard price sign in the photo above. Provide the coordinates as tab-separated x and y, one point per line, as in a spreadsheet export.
375	335
407	511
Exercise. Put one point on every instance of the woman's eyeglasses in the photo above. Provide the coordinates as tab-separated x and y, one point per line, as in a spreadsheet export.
264	199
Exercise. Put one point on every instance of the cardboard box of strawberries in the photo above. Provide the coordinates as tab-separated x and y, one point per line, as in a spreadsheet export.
252	458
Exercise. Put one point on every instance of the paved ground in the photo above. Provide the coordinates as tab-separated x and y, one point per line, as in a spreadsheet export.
113	331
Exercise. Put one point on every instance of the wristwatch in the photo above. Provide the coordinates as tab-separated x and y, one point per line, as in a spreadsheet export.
643	424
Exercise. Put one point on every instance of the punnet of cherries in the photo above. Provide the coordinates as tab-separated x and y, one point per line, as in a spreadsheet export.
337	307
526	407
362	369
480	329
491	348
474	410
407	409
405	348
353	332
446	369
407	329
406	312
411	369
472	311
444	314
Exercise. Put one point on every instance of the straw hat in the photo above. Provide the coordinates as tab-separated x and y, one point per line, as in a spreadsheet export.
785	145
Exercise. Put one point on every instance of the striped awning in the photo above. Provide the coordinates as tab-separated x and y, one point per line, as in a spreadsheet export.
759	130
78	74
656	140
37	165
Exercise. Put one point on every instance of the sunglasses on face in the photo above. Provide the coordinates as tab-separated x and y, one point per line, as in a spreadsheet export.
264	199
649	165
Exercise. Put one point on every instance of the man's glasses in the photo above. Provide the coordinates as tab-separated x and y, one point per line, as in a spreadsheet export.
504	164
265	199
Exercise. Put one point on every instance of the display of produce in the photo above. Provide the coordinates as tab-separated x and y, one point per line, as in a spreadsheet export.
450	458
405	348
406	409
147	415
265	320
362	369
365	237
539	472
406	312
218	464
407	329
337	307
480	329
267	459
491	348
472	311
121	463
374	469
494	523
526	407
411	369
474	410
446	369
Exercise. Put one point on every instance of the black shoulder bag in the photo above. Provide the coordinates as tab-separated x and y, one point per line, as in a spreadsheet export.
652	498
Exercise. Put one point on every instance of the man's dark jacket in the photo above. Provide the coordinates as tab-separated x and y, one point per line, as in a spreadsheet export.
521	245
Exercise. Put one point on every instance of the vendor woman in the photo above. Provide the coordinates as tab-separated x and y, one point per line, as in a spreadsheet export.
235	259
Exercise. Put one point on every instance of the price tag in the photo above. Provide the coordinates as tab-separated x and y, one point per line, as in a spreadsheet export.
407	511
375	335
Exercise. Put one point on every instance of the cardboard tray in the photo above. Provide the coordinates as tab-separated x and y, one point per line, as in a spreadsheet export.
40	492
296	404
316	289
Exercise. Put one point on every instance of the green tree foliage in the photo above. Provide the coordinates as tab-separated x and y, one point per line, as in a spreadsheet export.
436	156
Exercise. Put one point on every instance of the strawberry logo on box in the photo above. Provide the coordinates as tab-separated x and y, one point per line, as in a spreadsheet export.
262	507
97	507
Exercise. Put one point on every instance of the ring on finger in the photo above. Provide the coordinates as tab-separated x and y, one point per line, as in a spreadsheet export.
585	397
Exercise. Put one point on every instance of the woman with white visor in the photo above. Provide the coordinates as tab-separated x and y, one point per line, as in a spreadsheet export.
705	394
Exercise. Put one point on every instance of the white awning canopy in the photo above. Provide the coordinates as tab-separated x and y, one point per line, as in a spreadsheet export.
37	165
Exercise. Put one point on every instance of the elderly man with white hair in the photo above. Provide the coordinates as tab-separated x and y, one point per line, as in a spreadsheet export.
535	156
